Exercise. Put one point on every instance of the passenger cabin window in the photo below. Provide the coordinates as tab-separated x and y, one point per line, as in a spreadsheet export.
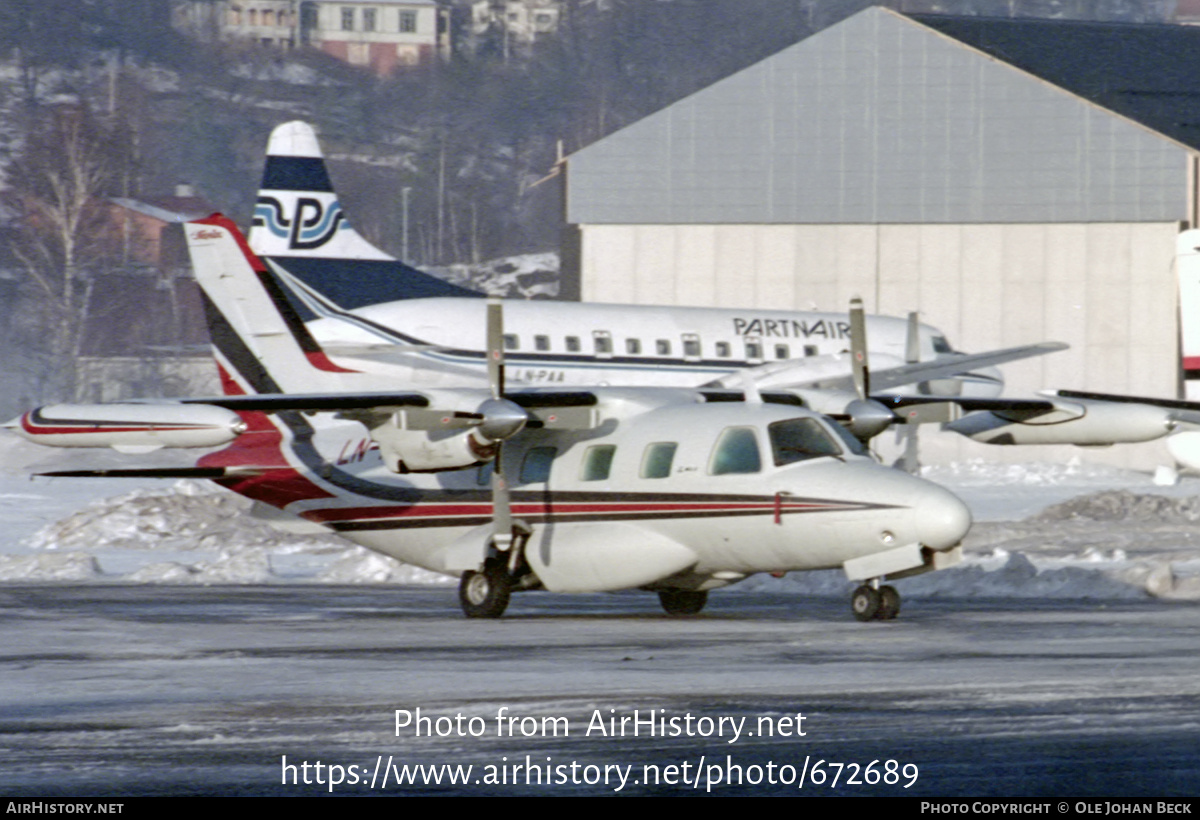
754	349
662	347
810	350
723	350
800	439
602	342
736	452
511	342
781	352
691	346
657	460
597	462
541	342
536	466
633	347
572	344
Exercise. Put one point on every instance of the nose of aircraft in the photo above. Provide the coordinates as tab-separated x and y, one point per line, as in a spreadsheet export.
942	519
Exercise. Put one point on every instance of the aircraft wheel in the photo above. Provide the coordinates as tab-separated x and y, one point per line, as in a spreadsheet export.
682	601
865	602
889	604
485	594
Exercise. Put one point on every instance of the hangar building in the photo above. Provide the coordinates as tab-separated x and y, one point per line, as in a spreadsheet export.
1015	180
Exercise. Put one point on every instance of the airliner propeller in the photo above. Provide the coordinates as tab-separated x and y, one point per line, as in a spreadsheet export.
909	461
500	420
865	417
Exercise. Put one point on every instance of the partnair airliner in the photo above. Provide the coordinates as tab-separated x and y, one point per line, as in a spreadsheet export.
362	303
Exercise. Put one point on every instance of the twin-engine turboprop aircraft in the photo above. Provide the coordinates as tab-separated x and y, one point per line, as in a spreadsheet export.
364	305
678	490
675	490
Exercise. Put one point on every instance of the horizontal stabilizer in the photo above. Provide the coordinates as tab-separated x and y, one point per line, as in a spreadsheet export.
280	402
161	214
161	472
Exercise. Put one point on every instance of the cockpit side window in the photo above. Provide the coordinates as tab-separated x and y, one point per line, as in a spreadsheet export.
800	439
852	444
736	452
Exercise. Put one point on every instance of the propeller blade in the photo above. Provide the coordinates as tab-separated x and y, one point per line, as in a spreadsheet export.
912	342
858	349
908	434
502	525
495	347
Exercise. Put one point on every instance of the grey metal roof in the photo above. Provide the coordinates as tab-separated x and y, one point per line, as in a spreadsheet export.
881	118
1149	73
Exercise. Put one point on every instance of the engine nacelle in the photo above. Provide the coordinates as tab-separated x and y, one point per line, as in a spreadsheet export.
431	451
129	427
1080	422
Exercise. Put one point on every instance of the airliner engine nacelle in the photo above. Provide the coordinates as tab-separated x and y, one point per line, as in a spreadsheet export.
424	441
133	428
1080	422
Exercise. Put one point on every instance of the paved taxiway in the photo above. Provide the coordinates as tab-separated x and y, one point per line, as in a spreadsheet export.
123	690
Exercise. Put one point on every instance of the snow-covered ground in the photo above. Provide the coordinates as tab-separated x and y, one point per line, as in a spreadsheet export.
1042	530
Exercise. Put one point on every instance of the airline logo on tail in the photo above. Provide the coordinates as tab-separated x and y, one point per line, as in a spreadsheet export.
310	225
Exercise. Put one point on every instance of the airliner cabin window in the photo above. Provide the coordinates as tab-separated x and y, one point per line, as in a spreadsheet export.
799	439
572	344
602	342
536	466
656	461
691	346
633	347
511	342
663	347
541	342
736	452
810	350
753	350
781	352
597	462
723	350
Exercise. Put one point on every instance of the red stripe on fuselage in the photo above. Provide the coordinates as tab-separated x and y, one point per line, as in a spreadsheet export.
445	511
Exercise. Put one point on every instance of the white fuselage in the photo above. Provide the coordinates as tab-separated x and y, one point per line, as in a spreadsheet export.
570	343
632	527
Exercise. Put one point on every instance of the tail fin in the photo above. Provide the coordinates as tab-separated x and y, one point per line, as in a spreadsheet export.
300	226
261	343
1187	270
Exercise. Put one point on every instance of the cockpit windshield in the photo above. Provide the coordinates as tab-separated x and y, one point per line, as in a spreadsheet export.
799	439
941	345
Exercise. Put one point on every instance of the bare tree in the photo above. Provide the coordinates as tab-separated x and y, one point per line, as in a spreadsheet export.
64	234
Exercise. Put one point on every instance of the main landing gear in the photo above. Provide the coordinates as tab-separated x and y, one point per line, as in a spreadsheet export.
485	594
875	603
682	601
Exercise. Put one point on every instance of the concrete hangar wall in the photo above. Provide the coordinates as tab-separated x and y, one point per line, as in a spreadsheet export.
899	158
